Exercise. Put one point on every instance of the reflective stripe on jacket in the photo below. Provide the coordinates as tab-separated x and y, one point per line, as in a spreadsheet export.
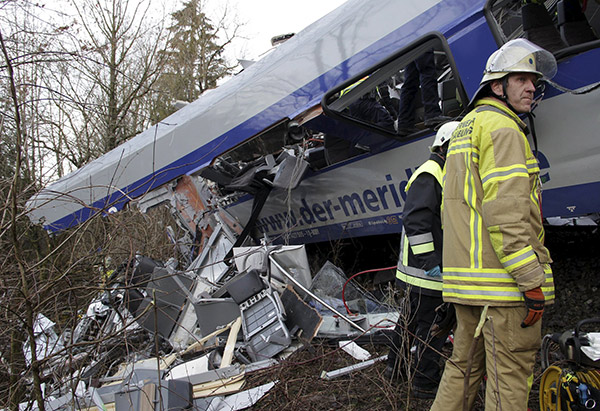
493	233
420	247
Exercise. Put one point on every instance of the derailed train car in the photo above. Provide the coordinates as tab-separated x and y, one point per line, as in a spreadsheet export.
284	150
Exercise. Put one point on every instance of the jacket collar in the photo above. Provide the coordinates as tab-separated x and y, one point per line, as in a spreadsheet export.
504	110
435	157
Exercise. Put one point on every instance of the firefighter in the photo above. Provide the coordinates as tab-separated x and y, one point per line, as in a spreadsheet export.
420	74
419	266
496	268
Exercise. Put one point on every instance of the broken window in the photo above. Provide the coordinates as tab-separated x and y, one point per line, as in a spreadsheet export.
561	27
403	97
368	113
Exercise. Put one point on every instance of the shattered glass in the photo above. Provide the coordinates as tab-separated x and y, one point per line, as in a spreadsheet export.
328	284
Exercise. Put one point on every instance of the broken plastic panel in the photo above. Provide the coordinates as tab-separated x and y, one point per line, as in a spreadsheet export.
208	269
263	321
292	257
47	341
264	326
166	295
241	400
213	313
168	395
290	170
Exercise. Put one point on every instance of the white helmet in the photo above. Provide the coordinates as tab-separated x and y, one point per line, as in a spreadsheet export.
517	56
443	134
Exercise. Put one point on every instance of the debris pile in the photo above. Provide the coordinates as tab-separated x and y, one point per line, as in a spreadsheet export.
166	338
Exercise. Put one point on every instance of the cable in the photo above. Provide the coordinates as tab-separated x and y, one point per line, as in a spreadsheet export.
355	275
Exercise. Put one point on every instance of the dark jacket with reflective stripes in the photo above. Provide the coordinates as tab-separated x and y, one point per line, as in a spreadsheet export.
421	245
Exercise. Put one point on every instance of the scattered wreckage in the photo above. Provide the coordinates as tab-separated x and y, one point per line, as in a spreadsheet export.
290	108
159	337
165	338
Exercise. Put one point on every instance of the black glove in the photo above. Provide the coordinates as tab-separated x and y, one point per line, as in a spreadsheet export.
445	320
534	301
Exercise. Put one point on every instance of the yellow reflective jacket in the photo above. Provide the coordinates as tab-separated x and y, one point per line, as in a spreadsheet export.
493	232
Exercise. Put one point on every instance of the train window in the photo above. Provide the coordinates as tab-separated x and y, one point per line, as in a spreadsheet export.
403	97
561	27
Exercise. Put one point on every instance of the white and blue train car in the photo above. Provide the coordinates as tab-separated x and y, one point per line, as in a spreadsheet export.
299	97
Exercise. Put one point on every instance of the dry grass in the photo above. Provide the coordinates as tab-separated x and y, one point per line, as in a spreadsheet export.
300	385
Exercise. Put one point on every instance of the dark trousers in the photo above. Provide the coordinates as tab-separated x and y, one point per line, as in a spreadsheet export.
422	72
425	360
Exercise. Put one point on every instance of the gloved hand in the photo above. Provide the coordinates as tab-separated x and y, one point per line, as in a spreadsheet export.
534	301
434	272
445	320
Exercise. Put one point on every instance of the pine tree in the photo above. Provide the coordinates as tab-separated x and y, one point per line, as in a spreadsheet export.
195	59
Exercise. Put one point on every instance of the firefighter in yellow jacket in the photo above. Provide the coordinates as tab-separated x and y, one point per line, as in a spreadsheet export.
495	264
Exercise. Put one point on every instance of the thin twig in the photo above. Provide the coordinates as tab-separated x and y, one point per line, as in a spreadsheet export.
474	344
495	363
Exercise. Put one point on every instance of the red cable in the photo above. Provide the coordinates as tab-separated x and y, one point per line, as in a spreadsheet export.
357	274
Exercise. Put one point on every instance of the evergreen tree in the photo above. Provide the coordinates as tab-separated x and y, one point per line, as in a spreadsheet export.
194	58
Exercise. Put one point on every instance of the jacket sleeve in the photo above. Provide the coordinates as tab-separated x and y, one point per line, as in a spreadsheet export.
421	215
505	178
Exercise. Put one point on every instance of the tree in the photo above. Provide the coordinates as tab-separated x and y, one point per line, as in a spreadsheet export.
194	56
26	42
99	99
37	104
70	89
16	290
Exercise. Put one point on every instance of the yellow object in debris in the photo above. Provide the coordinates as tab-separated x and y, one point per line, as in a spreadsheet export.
220	387
557	387
550	389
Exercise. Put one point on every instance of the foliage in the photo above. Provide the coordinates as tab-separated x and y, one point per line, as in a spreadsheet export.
194	57
75	81
63	274
100	94
92	74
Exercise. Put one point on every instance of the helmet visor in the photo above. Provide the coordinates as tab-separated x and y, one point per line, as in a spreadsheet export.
521	55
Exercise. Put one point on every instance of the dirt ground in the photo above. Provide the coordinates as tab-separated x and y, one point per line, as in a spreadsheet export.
577	271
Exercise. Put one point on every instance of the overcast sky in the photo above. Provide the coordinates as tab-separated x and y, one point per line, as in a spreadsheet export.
267	18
